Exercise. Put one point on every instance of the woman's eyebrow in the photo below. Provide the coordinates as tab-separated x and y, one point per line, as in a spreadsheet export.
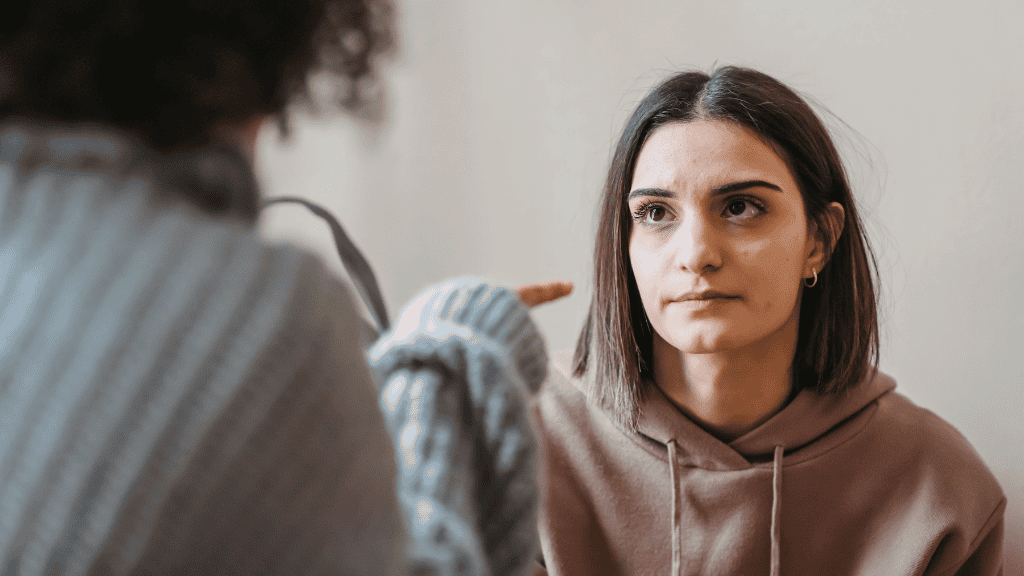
659	192
723	189
737	186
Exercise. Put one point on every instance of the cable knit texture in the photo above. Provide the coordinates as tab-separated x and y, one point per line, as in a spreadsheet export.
457	367
176	396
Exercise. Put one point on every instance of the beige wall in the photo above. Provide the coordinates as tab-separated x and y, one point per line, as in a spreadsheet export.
502	114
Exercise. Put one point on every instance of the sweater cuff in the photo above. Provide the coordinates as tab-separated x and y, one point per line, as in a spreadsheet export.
467	309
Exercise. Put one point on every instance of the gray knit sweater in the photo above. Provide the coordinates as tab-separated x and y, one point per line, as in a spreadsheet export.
176	396
179	397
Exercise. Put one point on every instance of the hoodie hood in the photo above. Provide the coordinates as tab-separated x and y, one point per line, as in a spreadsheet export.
808	417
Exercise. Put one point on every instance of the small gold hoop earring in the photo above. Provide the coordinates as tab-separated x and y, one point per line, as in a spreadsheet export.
815	281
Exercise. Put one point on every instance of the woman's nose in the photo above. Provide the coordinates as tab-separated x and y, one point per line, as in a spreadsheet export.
697	246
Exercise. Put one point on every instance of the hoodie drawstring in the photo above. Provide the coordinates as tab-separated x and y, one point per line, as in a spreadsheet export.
677	553
776	512
776	537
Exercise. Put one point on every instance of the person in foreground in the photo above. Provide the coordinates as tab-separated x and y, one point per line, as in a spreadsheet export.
179	396
723	412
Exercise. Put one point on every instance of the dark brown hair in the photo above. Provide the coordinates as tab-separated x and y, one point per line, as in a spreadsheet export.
173	72
837	343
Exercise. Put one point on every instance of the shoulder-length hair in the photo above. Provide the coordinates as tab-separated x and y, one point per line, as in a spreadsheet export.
837	343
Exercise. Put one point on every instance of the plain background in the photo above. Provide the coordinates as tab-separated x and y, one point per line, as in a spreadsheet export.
501	115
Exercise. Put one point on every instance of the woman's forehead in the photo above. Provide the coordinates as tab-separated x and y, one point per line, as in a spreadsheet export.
690	156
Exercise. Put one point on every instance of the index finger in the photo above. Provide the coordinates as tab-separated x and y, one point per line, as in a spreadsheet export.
537	294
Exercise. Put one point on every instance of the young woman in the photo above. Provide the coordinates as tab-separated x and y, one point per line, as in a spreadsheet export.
723	413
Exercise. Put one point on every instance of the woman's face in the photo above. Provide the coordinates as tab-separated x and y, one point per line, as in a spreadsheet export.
720	241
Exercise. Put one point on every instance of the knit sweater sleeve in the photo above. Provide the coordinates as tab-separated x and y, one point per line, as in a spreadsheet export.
456	369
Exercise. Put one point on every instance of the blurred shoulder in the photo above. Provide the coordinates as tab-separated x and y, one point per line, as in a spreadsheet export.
562	389
562	410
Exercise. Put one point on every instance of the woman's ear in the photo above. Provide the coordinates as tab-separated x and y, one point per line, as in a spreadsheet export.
823	237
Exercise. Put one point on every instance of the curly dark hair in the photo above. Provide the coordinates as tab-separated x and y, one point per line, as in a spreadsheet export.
175	72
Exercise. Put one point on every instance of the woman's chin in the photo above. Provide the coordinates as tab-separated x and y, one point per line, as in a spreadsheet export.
707	341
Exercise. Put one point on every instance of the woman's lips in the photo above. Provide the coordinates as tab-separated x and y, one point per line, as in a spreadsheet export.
706	295
704	301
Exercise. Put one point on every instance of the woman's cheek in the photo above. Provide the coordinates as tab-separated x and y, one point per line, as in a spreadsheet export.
777	270
645	284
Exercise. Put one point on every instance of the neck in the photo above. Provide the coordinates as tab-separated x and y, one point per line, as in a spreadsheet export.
729	393
242	136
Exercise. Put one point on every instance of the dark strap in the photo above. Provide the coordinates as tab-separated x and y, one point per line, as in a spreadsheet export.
353	260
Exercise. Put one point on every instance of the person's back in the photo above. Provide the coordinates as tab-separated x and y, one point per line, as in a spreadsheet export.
177	395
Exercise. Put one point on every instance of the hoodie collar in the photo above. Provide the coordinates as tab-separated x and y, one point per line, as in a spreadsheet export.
805	419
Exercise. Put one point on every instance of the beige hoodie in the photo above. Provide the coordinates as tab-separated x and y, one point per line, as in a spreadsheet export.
863	483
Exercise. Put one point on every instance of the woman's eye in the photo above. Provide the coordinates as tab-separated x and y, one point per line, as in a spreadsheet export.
655	214
650	213
742	209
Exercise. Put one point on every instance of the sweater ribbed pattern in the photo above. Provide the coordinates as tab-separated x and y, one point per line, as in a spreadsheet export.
176	395
458	367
